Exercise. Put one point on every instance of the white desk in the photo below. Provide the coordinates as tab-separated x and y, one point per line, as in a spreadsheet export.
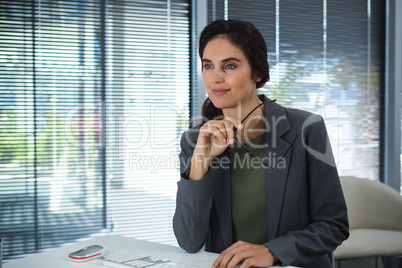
115	243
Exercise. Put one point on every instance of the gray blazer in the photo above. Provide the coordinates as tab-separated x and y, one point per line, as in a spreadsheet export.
306	210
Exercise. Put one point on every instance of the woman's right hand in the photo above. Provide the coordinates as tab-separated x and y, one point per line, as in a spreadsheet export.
214	137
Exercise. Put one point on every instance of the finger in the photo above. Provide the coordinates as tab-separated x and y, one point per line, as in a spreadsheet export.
220	133
229	131
237	125
247	263
209	129
225	260
224	254
237	258
236	122
235	251
217	262
257	256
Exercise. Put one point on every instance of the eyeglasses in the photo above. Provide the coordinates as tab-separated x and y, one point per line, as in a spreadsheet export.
266	165
244	146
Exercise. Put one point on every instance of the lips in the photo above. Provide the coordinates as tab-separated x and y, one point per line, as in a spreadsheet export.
220	91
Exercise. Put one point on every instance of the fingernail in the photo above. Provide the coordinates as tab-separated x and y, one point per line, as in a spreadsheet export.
231	141
224	140
239	126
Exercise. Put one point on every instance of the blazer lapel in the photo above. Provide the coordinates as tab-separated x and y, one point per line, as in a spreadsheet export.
278	153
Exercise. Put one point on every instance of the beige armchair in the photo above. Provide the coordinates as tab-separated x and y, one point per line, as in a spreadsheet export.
375	220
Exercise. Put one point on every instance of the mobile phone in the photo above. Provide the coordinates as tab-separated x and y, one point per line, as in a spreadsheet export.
87	253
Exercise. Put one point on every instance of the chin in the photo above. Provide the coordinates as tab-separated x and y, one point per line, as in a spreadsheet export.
222	104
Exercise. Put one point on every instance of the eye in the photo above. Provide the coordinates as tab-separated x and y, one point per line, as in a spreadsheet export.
207	66
230	66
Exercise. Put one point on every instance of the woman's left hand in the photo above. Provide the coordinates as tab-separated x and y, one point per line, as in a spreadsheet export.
245	254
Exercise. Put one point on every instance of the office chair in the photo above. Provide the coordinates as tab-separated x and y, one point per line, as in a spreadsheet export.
375	220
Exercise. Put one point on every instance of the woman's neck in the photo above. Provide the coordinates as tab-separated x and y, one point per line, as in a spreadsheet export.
242	109
253	125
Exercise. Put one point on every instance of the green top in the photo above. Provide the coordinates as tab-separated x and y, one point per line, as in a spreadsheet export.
249	211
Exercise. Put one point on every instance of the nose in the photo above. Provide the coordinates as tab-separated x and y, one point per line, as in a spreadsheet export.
218	75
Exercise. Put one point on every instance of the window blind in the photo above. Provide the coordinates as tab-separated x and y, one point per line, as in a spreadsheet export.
148	93
93	97
325	57
49	185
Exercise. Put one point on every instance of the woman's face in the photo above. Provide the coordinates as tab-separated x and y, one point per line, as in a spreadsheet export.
227	74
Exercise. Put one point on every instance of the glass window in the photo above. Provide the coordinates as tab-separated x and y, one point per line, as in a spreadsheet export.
148	98
91	110
325	57
50	73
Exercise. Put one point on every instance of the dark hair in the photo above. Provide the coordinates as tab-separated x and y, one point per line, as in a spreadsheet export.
245	36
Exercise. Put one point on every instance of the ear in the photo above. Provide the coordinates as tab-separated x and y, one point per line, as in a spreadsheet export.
256	77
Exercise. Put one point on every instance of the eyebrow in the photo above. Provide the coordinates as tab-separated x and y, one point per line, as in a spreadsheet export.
224	60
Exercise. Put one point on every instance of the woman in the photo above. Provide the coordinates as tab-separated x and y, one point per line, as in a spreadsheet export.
258	181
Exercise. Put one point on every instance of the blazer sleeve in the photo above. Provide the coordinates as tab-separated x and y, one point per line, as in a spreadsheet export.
193	203
327	210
